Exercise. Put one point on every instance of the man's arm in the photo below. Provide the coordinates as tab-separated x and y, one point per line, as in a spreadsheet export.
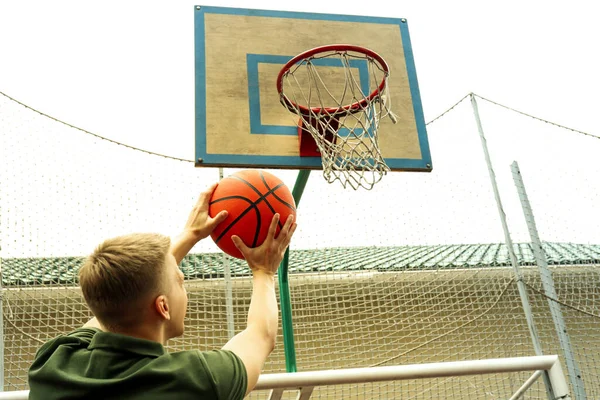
182	244
255	343
198	226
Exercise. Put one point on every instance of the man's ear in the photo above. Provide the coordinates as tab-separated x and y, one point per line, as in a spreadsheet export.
161	306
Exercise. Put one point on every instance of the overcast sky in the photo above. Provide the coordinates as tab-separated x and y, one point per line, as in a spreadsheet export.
124	70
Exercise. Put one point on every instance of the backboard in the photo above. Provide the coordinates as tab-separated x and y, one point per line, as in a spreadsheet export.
240	121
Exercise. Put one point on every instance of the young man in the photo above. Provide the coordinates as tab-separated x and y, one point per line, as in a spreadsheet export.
135	290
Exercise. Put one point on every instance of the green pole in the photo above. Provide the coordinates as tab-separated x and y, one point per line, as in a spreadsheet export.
284	287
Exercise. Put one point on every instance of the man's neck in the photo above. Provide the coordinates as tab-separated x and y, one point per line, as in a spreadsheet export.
153	333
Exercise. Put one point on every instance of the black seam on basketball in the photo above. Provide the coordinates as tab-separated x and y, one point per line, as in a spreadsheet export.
252	206
247	183
277	197
257	231
263	196
229	198
285	203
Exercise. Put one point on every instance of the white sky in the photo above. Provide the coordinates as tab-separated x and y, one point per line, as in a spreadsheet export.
124	70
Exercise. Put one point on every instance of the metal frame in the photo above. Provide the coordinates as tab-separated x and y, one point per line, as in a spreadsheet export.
305	382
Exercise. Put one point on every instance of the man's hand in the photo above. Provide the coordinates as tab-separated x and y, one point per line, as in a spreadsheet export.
198	226
199	223
268	256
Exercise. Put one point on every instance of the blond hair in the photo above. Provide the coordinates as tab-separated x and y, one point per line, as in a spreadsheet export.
120	274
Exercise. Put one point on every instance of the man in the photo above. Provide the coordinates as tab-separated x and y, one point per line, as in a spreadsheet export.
135	290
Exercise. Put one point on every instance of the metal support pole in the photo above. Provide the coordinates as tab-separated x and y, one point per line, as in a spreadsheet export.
521	391
509	244
1	333
548	285
284	286
352	376
228	287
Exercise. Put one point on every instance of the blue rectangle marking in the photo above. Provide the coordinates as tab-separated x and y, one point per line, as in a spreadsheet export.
253	61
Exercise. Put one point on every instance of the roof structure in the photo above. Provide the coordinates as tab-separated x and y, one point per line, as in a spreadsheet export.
63	270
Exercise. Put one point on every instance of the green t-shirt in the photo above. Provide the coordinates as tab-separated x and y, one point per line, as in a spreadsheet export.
91	364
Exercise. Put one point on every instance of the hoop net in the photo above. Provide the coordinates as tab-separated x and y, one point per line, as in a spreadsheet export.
341	108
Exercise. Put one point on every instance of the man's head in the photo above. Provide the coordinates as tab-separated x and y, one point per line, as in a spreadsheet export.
133	281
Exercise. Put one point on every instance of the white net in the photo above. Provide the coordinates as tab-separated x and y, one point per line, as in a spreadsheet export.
412	271
335	107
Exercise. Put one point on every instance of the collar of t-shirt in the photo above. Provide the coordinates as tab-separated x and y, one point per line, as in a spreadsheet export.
116	341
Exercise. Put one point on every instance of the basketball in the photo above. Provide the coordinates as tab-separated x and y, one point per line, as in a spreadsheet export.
251	198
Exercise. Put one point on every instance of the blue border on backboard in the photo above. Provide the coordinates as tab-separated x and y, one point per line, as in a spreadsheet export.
307	162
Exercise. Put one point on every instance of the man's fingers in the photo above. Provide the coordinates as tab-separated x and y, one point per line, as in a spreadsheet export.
292	230
273	226
289	222
211	223
205	196
239	244
220	217
288	236
284	233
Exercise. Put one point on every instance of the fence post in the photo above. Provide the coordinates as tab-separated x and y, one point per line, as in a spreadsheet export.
228	288
511	251
548	284
1	332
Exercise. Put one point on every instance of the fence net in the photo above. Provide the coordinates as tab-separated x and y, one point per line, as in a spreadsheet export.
413	271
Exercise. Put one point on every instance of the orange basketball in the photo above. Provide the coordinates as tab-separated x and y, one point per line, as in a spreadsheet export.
251	198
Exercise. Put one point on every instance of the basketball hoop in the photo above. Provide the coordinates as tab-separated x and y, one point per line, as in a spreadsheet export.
339	112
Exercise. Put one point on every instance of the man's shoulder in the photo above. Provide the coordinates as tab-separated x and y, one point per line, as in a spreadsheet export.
78	338
210	359
223	368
